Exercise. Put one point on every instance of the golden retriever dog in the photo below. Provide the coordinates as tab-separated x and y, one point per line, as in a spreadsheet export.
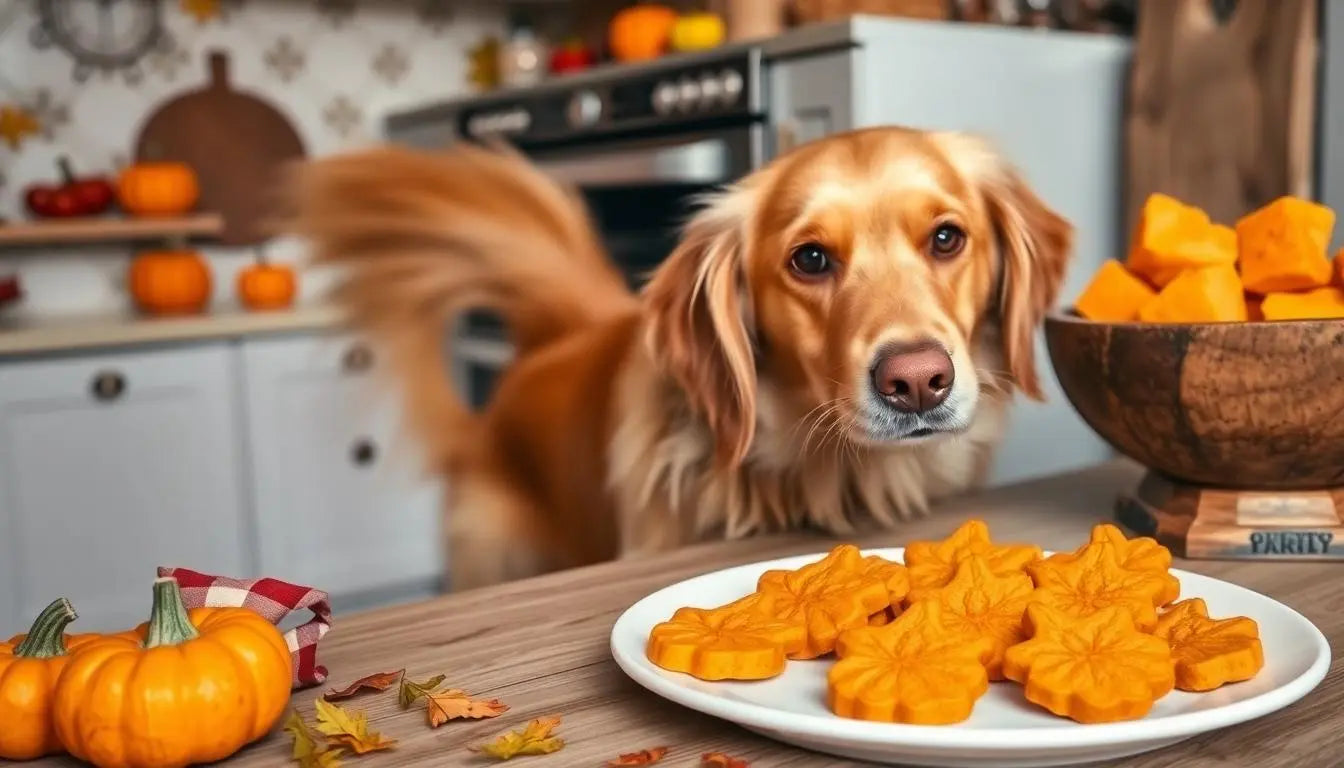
836	340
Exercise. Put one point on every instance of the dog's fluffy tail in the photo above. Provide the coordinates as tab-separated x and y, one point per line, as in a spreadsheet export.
419	237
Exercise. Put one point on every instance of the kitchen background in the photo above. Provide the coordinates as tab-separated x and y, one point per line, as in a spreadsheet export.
173	390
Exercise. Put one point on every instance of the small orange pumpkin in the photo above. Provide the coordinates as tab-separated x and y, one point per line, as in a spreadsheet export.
158	189
265	286
640	32
29	667
169	282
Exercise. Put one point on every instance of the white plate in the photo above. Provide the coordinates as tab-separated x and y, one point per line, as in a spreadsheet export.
1004	729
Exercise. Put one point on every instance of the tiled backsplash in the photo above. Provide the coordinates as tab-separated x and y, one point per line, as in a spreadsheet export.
333	67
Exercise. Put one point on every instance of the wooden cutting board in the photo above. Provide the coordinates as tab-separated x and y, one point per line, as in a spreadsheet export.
237	143
1221	114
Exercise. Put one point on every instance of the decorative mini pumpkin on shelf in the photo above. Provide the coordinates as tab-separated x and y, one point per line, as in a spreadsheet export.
170	282
123	703
29	667
264	285
640	32
158	189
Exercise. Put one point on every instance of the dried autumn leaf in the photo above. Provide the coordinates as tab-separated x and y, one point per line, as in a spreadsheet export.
379	681
720	760
642	757
454	705
308	753
412	691
349	730
535	739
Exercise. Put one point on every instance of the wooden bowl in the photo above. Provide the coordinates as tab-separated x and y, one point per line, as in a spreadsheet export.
1250	406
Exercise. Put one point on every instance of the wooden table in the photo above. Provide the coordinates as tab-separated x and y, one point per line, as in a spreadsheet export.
541	646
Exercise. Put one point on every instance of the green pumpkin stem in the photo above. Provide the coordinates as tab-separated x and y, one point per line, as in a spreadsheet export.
47	637
169	623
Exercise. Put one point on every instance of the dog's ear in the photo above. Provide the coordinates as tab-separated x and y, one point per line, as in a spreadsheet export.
698	312
1036	245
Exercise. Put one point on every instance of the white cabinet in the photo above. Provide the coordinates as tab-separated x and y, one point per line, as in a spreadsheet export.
812	97
111	465
341	501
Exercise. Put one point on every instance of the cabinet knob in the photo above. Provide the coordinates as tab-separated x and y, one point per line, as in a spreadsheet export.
357	359
364	452
108	385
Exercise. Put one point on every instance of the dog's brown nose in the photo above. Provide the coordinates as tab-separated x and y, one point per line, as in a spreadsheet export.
915	379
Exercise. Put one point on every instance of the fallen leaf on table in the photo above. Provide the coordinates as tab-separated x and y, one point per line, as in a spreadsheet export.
455	704
379	681
349	730
642	757
535	739
720	760
307	752
411	690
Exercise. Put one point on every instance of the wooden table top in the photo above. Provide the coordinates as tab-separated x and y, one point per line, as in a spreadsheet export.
540	646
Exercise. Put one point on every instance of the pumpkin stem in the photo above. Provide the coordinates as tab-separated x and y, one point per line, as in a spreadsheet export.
67	173
47	637
169	623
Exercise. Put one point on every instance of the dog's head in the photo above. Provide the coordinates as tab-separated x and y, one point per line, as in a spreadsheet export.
852	279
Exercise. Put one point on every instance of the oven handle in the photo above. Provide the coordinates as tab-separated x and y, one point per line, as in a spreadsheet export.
707	161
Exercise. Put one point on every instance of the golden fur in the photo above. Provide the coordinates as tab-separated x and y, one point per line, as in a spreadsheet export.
729	397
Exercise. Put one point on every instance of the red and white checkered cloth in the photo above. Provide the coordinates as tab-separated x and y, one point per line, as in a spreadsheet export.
272	599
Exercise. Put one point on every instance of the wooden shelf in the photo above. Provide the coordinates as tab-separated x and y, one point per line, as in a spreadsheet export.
25	234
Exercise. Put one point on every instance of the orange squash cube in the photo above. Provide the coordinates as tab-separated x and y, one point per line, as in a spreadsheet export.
1114	295
1172	237
1206	295
1319	304
1282	246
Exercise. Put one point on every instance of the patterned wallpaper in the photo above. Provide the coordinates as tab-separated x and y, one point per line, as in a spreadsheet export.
334	67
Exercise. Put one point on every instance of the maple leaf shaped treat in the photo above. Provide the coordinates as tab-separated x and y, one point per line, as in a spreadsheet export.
916	669
1209	652
1142	553
1093	579
1093	670
979	602
932	564
890	573
738	641
826	597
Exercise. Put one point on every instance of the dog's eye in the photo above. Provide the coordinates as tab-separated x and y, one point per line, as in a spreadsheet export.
811	260
947	241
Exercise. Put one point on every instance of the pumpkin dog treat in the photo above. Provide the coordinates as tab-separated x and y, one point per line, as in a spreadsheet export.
918	669
1092	579
1092	670
1138	554
737	641
826	597
1209	652
981	603
932	564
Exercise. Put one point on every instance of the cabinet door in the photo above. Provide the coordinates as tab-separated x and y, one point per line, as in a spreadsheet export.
111	465
341	500
812	97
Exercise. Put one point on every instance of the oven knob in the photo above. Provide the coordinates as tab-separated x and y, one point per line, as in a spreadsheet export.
711	89
732	84
665	97
585	109
689	94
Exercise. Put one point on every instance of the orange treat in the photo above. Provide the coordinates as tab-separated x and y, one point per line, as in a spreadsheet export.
1171	237
932	564
1093	579
1205	295
737	641
1209	652
917	669
1309	305
1282	246
827	597
1142	553
981	603
1114	295
884	616
1095	670
892	574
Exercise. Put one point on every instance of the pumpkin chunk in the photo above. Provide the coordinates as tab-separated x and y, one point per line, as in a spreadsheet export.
1209	652
1142	553
1094	670
918	669
981	603
1205	295
1282	246
1172	237
1310	305
932	564
1093	579
1114	295
738	641
827	597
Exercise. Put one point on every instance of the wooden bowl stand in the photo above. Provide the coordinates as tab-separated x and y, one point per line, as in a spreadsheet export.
1201	523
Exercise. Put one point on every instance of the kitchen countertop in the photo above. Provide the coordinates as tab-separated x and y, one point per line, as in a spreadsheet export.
540	645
